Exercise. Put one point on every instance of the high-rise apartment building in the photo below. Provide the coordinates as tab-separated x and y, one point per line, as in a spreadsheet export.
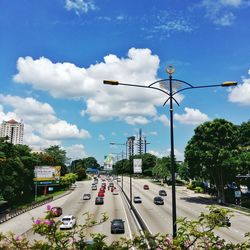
14	130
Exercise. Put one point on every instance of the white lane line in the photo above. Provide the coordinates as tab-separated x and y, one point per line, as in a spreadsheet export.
129	229
144	222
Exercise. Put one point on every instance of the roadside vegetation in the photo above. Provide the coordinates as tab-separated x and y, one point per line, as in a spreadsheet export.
191	235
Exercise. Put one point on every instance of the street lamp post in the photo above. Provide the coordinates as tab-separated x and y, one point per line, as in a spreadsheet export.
166	86
122	144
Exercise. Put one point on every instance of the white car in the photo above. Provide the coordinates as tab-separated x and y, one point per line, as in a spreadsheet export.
115	192
86	196
68	221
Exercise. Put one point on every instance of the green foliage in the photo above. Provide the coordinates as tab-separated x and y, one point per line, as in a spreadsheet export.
191	235
162	168
208	151
68	179
199	190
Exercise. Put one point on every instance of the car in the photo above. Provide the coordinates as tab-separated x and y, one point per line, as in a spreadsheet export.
102	189
86	197
162	192
99	200
101	194
158	200
115	192
137	199
146	187
111	184
117	226
56	211
68	222
94	187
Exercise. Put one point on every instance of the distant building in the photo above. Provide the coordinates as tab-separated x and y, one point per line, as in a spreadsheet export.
136	145
14	130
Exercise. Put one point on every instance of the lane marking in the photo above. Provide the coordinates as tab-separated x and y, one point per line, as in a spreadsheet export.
130	234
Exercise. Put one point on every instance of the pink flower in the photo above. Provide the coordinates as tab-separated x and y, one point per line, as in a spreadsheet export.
38	222
18	238
167	241
48	222
48	207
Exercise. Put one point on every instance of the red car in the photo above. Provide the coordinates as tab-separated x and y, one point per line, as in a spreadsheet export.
101	194
146	187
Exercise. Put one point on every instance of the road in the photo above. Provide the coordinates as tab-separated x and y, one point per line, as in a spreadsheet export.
190	205
157	218
74	204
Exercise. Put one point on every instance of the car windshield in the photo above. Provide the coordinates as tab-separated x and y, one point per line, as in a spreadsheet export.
66	219
117	222
158	198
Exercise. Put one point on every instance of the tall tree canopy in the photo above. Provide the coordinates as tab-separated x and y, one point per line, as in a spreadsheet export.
208	151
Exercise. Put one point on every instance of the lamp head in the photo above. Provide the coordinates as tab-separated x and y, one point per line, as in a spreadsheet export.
110	82
229	83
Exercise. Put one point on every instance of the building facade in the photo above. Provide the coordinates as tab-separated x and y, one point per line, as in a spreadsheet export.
14	130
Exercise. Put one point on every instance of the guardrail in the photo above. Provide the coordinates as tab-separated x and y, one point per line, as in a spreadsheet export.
151	243
15	212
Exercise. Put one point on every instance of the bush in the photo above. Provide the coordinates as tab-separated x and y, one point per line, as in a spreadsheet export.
199	190
191	235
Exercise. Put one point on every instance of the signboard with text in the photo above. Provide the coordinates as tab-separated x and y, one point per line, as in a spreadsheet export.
137	164
47	173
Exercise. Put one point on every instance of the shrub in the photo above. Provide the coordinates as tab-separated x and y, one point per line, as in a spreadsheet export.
191	235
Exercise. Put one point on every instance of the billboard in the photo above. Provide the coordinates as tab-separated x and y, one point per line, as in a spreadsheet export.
108	162
47	173
137	166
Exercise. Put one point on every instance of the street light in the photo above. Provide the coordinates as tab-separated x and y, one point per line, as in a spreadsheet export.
166	86
121	144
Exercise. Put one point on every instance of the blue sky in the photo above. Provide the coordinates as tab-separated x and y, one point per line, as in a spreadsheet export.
54	55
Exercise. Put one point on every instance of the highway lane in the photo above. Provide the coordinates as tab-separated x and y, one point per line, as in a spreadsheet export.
74	204
159	218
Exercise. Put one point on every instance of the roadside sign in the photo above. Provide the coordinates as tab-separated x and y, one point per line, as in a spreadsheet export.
237	194
46	183
137	163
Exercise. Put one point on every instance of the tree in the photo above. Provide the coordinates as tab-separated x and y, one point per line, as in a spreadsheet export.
91	162
162	168
16	172
245	134
54	156
207	152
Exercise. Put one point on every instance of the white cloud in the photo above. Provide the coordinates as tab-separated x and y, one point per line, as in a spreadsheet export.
133	120
220	12
63	130
80	6
226	20
153	133
101	137
132	105
234	3
241	93
191	116
41	126
76	151
163	119
178	154
175	25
